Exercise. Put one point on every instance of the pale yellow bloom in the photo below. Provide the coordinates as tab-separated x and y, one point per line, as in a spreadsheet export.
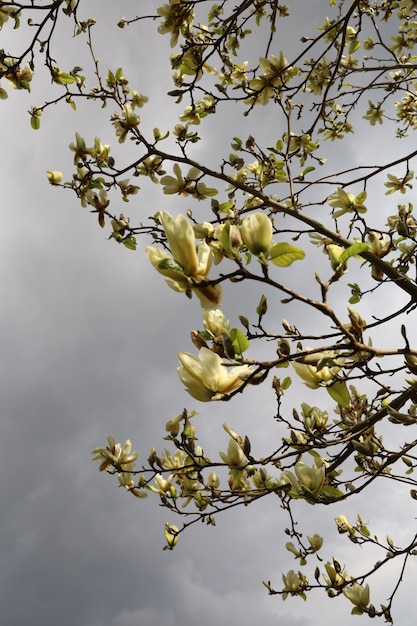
81	152
276	74
346	202
206	377
181	241
125	121
188	264
163	485
138	100
5	13
171	533
177	15
256	231
310	371
215	321
235	457
293	583
306	478
115	455
316	542
195	262
342	524
358	595
54	177
335	577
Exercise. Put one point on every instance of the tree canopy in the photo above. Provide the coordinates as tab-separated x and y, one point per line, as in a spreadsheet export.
300	203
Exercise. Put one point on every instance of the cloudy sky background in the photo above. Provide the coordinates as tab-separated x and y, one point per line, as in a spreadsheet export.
89	336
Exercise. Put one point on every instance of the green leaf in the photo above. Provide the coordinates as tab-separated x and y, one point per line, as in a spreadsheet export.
284	254
130	243
308	169
226	206
285	383
354	46
239	340
209	191
225	237
65	79
339	392
353	250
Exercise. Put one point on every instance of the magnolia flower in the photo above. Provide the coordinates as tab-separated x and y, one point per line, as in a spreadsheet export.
163	486
5	13
235	457
206	377
168	267
187	265
399	184
215	322
256	231
276	74
81	152
169	461
177	15
115	455
213	481
358	595
346	202
127	481
54	177
335	576
171	533
124	122
312	374
101	151
294	583
316	542
310	479
262	480
342	524
138	99
181	240
335	252
379	245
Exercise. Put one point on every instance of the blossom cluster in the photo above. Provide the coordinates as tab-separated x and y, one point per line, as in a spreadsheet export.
186	265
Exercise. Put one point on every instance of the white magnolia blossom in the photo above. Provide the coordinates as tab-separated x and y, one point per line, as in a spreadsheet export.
207	377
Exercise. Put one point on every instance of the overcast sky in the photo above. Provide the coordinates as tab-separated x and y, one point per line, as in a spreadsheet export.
89	336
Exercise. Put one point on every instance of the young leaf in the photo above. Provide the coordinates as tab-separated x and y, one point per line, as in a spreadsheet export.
130	243
239	340
339	392
284	254
353	250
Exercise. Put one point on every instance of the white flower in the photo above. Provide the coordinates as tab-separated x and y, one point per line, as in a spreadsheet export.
215	321
235	457
206	376
256	231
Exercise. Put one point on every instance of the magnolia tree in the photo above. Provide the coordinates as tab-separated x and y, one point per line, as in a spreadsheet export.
263	206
